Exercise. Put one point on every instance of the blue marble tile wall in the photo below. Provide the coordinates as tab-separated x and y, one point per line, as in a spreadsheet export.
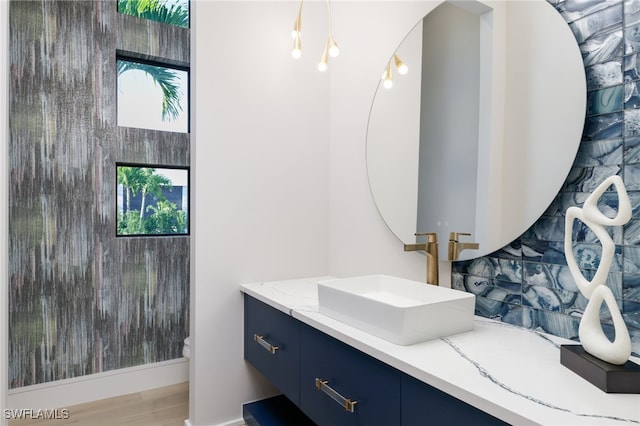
528	283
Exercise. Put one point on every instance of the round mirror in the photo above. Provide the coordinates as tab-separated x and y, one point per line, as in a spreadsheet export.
481	132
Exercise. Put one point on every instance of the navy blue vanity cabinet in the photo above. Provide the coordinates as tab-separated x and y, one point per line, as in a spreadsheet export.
340	385
335	384
425	405
271	345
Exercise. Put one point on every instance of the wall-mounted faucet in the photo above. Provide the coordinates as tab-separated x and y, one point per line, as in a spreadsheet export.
431	249
455	247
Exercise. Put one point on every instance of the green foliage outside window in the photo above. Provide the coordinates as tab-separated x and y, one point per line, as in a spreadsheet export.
169	80
170	12
164	77
162	218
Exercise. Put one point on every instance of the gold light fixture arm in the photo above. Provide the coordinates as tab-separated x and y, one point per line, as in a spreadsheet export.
331	48
331	43
387	76
296	34
297	26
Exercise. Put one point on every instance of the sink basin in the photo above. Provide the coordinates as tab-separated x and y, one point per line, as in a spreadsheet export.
401	311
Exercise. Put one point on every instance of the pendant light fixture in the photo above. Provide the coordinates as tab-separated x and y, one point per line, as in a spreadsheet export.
331	48
296	34
387	76
322	65
400	66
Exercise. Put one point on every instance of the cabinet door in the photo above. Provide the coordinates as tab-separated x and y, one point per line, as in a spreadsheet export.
271	345
332	374
425	405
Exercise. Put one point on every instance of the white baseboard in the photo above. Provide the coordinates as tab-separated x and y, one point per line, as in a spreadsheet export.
68	392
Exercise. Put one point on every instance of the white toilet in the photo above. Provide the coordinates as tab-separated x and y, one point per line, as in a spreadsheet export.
186	348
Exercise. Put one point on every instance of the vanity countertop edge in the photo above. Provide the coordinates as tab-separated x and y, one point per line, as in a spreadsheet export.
520	380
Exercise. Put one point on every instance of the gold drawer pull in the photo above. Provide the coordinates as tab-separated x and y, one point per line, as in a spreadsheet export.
268	346
323	385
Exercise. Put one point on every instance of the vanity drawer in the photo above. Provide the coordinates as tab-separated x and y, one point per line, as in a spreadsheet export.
424	404
271	345
332	374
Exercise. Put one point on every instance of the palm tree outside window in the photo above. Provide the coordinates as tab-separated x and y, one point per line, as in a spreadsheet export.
172	12
152	200
152	96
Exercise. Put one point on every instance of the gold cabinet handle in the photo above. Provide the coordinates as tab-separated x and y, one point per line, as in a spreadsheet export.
323	386
268	346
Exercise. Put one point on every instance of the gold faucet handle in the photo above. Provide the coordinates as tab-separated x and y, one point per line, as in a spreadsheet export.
432	237
453	236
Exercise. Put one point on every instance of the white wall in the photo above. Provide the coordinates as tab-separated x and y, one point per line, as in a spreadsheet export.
260	180
280	179
360	242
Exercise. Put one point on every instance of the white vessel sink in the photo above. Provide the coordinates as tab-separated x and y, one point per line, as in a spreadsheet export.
401	311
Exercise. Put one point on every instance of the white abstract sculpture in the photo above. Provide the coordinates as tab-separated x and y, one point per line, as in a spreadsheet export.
590	330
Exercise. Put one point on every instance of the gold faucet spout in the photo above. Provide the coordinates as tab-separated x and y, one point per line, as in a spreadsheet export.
471	246
431	249
455	246
415	247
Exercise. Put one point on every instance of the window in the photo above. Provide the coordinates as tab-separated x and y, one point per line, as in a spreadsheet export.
172	12
152	96
152	200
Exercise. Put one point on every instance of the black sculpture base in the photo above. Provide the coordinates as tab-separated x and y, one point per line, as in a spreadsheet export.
610	378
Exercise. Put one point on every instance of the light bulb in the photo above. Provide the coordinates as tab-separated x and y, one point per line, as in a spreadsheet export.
387	78
322	66
401	66
297	48
334	50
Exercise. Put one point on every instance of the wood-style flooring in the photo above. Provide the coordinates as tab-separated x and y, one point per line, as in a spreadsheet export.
167	406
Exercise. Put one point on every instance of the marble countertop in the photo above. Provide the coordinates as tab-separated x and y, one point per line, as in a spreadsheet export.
510	372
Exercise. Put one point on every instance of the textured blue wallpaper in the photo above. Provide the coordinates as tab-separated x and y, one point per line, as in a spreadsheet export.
528	283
